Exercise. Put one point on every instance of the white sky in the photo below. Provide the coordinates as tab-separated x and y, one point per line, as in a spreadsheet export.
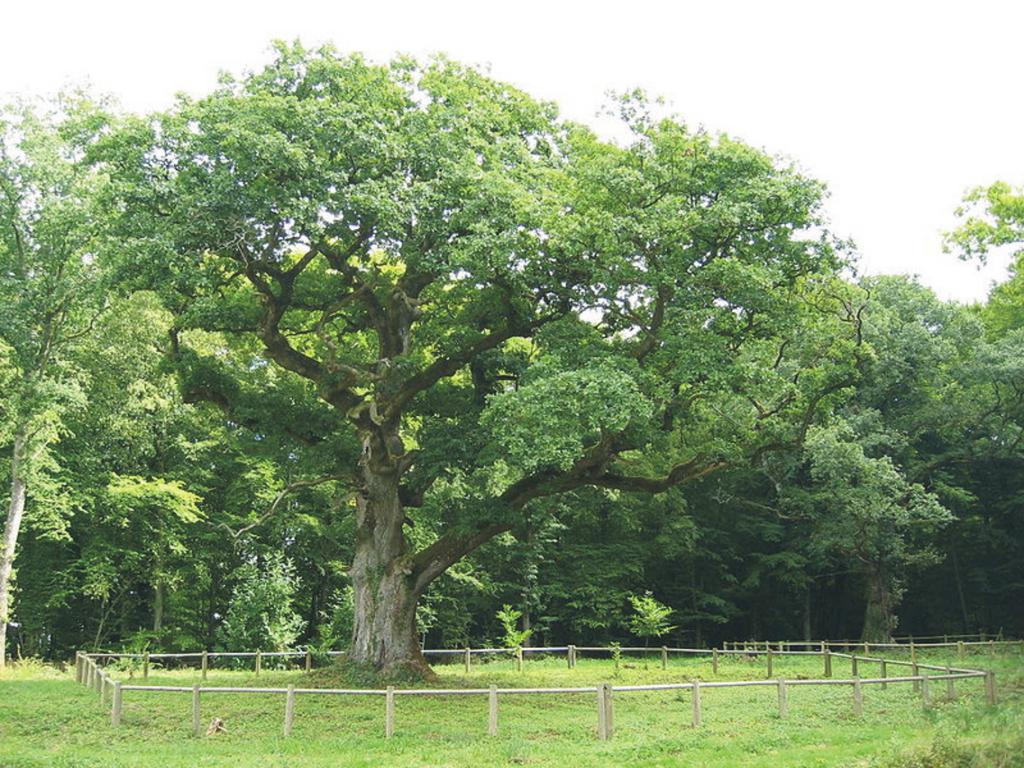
898	106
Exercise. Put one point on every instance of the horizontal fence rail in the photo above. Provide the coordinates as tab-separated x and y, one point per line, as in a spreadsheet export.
90	673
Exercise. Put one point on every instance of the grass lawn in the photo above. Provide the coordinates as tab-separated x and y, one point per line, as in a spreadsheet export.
46	719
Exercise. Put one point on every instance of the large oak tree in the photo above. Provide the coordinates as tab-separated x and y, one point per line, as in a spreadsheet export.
454	306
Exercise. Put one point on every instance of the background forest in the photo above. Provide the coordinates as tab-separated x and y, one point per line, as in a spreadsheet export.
852	444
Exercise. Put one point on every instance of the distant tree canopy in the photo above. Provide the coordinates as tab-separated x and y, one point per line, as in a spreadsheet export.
392	346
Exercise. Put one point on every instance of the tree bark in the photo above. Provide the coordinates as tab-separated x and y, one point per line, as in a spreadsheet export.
158	606
384	635
879	614
12	526
807	614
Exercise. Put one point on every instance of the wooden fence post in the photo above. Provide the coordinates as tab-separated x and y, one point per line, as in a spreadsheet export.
853	665
914	671
259	662
950	689
696	703
960	649
714	660
867	650
990	687
289	710
769	654
519	658
206	663
572	657
913	650
196	724
858	698
883	672
664	657
389	712
309	660
828	663
609	711
926	694
783	701
115	706
145	666
492	718
467	660
78	666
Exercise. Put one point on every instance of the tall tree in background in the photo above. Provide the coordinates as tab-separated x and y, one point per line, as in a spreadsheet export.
456	306
51	298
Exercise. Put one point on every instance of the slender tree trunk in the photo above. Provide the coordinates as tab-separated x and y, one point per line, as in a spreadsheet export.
158	606
384	635
12	526
879	614
960	591
807	614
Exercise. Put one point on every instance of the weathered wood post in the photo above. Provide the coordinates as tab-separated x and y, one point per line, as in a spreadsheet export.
882	672
950	689
867	651
467	662
196	717
205	663
289	710
572	657
309	660
696	703
858	698
664	657
960	649
605	712
914	671
913	650
389	712
492	717
115	706
78	666
714	660
145	665
259	662
990	687
769	655
828	663
609	710
783	700
926	693
519	658
853	665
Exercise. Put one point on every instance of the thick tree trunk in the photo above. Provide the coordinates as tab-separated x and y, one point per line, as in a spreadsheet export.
879	614
384	635
12	526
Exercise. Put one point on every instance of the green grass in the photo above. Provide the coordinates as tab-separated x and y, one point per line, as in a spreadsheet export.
48	720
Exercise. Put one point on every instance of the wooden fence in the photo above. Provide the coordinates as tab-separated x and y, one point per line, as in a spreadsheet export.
90	673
